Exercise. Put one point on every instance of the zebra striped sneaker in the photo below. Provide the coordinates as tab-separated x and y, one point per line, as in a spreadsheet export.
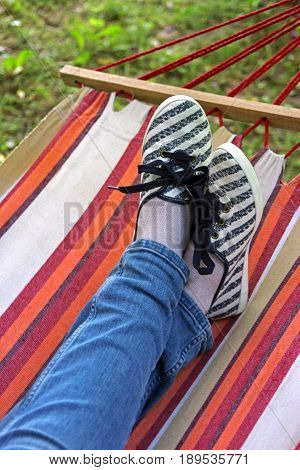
176	154
178	124
233	182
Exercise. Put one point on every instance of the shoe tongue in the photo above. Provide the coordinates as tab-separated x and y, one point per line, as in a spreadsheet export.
175	193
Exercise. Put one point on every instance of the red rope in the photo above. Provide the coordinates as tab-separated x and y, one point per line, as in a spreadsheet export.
292	150
252	127
278	100
193	35
287	89
266	66
218	113
221	43
284	29
266	139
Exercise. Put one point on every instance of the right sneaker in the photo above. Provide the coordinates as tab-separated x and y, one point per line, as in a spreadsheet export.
236	204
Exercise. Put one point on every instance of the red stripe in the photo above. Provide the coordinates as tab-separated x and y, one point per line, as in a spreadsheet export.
277	233
31	289
254	365
177	397
75	284
84	104
53	170
266	394
266	211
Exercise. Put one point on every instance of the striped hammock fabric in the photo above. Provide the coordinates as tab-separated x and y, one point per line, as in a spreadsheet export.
62	231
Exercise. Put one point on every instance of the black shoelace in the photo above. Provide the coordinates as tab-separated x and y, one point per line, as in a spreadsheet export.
205	206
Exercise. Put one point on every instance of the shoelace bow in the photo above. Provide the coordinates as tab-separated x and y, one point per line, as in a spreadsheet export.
204	205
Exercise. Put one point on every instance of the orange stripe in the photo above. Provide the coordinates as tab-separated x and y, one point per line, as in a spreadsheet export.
55	336
45	166
63	270
237	367
146	424
267	228
258	384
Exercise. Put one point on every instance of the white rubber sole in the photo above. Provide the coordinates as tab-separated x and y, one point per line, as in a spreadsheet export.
165	103
249	171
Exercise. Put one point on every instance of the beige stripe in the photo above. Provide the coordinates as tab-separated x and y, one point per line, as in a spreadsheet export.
221	136
234	339
34	143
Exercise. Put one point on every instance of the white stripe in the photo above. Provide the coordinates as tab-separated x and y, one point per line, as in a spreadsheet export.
203	149
223	310
222	166
229	243
233	268
223	297
237	223
237	191
175	135
278	427
173	120
234	253
230	178
229	294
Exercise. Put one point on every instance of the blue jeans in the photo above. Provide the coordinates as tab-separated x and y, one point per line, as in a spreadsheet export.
121	354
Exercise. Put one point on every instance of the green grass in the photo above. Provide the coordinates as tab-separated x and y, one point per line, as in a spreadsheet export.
38	37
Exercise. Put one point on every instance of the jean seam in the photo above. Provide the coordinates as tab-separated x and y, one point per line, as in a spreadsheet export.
188	311
181	272
58	355
173	370
190	307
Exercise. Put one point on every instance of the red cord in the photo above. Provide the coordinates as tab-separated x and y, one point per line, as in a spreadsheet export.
266	140
218	113
221	43
287	89
284	29
279	99
246	82
252	127
292	150
266	66
193	35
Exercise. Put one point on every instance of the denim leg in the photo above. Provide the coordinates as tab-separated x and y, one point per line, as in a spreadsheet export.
190	336
90	394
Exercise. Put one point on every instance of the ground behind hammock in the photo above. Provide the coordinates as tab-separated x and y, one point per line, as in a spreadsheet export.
37	37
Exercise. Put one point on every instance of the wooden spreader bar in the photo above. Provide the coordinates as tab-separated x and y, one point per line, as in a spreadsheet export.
233	108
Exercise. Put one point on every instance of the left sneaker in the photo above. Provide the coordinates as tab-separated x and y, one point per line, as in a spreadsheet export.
231	216
176	155
179	124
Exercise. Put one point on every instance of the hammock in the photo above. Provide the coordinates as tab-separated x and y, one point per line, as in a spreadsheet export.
242	394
